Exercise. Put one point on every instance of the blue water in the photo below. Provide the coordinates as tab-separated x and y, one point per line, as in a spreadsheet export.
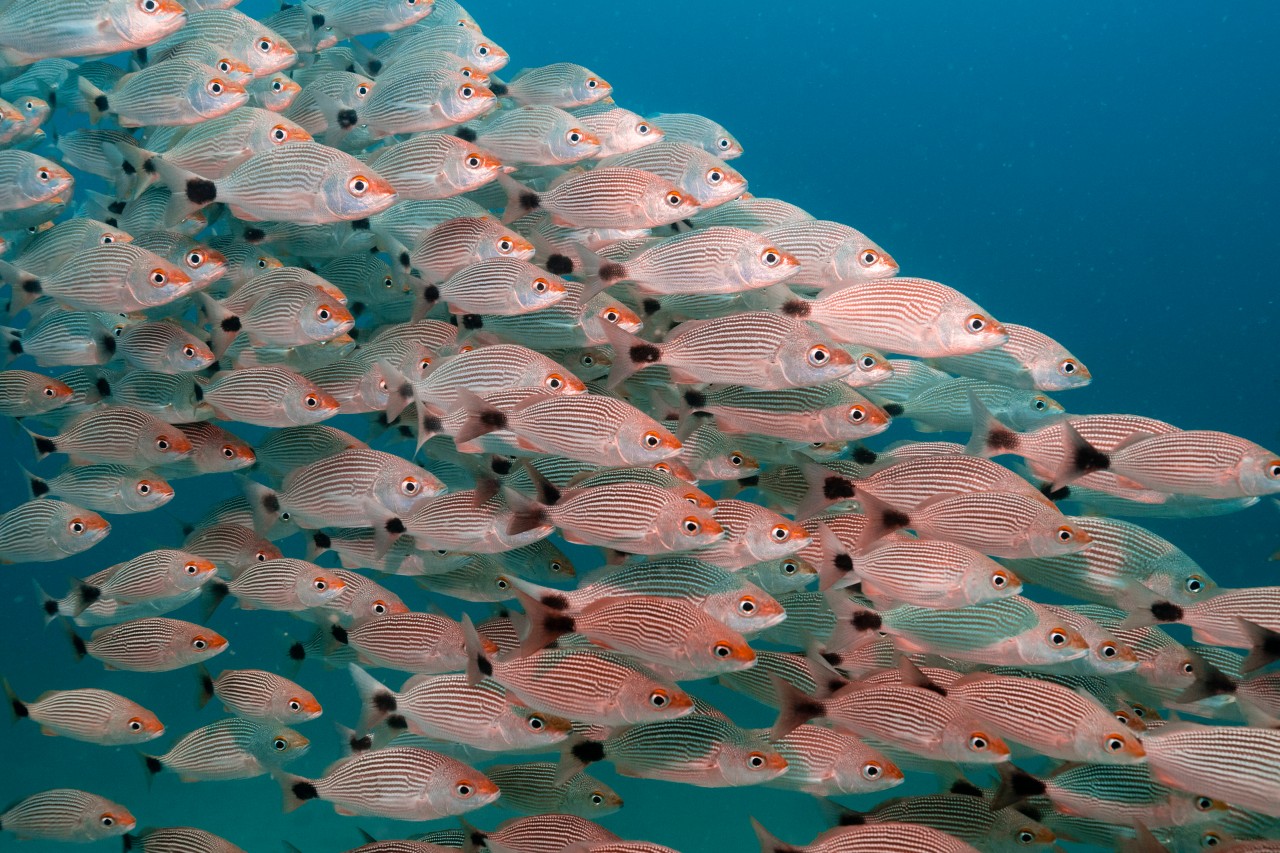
1106	175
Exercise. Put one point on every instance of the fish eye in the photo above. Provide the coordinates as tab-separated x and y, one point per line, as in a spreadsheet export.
1139	711
1188	668
199	644
691	525
108	239
358	185
1065	534
410	485
715	176
262	263
721	650
736	460
189	351
76	526
555	382
215	87
280	744
556	567
1026	837
659	699
295	705
379	607
1210	839
978	742
388	281
1114	743
574	136
505	245
158	277
191	568
323	312
482	50
261	557
320	584
362	90
642	129
228	451
463	789
147	6
999	579
596	799
592	83
195	259
674	199
746	605
162	443
871	770
501	583
652	439
1058	637
790	568
43	174
1273	469
224	66
869	257
771	257
756	760
819	355
49	391
975	323
723	143
540	285
382	385
587	359
1204	804
611	315
466	92
279	133
264	45
135	725
311	401
857	414
106	819
780	533
1194	584
276	86
473	161
536	723
1068	367
1109	650
1041	404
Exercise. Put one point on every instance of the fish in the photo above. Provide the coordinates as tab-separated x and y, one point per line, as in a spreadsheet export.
106	488
67	814
532	788
154	644
116	434
45	529
124	25
171	839
701	175
618	130
284	584
609	197
268	396
708	260
411	642
560	84
115	277
701	131
435	166
261	696
242	37
173	92
230	749
902	837
1228	762
89	715
1029	359
538	135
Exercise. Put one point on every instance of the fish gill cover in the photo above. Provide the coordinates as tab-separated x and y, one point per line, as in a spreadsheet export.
595	493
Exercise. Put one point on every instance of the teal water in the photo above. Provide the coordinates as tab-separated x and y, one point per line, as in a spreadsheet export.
1106	175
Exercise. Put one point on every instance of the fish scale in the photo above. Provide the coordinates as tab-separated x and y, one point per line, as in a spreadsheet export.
263	394
620	512
62	814
909	483
757	682
180	839
230	749
172	397
1237	764
284	583
459	522
50	249
569	425
422	101
154	644
413	642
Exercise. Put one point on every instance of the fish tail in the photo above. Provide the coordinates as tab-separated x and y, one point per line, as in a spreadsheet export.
36	487
1210	681
206	686
211	596
297	652
526	513
769	843
127	841
48	604
835	565
17	708
630	353
340	119
1153	613
429	422
855	623
1016	785
296	789
826	487
78	646
95	99
577	755
352	742
188	192
400	391
151	765
264	503
882	520
318	543
796	707
544	620
990	437
1264	646
135	167
482	417
25	287
376	701
82	596
10	344
520	199
426	295
1079	457
479	667
224	326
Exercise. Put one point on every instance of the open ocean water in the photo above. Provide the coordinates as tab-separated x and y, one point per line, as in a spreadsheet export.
1106	173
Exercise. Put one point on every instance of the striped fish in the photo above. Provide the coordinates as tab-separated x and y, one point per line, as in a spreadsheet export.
948	405
360	599
400	783
46	529
214	148
447	708
232	547
604	197
538	135
965	815
753	534
417	102
163	346
499	286
203	263
127	25
929	573
577	319
1200	463
341	89
178	839
708	260
1236	764
754	348
230	749
410	642
458	242
171	397
153	644
827	412
467	521
173	92
264	697
544	833
560	84
582	684
1051	719
239	35
357	17
469	44
1240	618
911	316
701	131
67	338
274	92
268	396
1108	655
870	838
50	249
712	454
754	214
493	368
435	166
115	277
534	789
90	715
289	316
106	487
67	814
213	450
825	762
116	434
1029	359
23	393
285	584
158	574
619	130
697	173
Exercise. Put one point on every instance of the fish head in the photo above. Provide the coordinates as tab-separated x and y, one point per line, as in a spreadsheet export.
643	441
1051	534
1258	472
190	355
190	572
725	652
589	362
233	70
163	445
324	318
471	72
46	180
270	54
1109	656
1119	746
646	700
1058	370
1021	831
142	726
787	574
204	265
718	184
111	821
282	132
215	96
761	262
687	528
588	88
751	763
487	55
665	203
961	328
307	404
48	394
725	146
462	790
277	92
285	744
561	381
227	454
1053	642
807	359
472	167
34	110
966	740
1176	577
318	588
462	99
355	191
300	706
731	464
203	644
990	580
679	470
1127	718
539	728
144	22
77	529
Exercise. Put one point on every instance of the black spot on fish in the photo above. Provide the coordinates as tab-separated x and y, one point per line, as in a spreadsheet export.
748	482
201	191
374	66
117	207
254	235
112	221
1029	811
197	391
555	601
109	343
305	791
141	53
933	688
837	488
31	285
1053	494
1025	785
270	503
1218	683
339	633
360	225
322	540
52	98
482	664
46	445
612	272
405	391
206	683
19	708
153	765
500	465
559	624
559	265
148	166
796	308
15	347
317	21
100	103
397	721
89	593
347	118
494	419
230	324
588	752
894	410
361	744
465	133
297	652
1002	439
404	259
843	563
1088	458
550	494
40	487
384	702
77	643
966	788
472	321
430	293
851	818
477	838
128	169
864	455
529	201
695	398
356	309
651	307
866	620
1166	611
394	525
431	423
644	353
893	519
499	89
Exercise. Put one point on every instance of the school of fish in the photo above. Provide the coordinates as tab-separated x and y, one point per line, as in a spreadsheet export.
438	320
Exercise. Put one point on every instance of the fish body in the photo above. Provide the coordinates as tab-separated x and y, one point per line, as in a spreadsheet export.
154	644
67	814
230	749
261	696
45	529
89	28
89	715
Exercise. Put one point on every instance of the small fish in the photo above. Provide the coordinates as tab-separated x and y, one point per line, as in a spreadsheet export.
826	412
173	92
45	529
237	34
499	286
926	573
1234	763
1240	618
560	84
538	135
230	749
164	347
116	434
285	584
701	131
357	17
459	242
31	36
619	130
410	642
870	838
67	814
464	42
699	174
116	278
260	696
435	166
534	789
268	396
89	715
825	762
708	260
401	783
274	92
608	197
1029	360
178	839
152	644
415	102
